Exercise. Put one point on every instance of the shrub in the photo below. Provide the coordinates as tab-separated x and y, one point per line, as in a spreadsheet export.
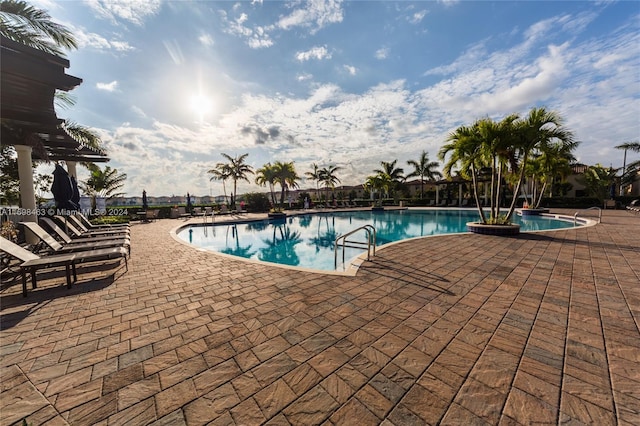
257	202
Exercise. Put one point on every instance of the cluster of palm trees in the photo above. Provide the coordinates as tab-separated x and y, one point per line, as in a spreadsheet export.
387	179
536	146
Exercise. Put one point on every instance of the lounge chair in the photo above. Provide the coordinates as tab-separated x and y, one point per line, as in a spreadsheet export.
65	238
431	203
84	229
90	226
32	262
79	232
72	246
442	203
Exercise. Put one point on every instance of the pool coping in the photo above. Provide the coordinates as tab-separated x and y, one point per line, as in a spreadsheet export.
356	261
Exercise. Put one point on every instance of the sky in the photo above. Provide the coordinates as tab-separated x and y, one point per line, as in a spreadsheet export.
170	85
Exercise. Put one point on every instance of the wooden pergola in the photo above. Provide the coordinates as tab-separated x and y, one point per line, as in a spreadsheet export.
29	80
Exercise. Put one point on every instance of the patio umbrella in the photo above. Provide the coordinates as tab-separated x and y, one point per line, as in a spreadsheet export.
76	192
145	203
62	189
189	206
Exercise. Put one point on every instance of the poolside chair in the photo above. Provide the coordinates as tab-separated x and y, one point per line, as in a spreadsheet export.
72	246
65	238
152	215
83	229
87	224
32	262
442	203
431	203
69	225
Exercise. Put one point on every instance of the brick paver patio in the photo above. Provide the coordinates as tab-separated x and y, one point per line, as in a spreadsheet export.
460	329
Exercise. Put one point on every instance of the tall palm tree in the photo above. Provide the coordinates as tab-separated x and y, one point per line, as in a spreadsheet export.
238	170
391	175
286	176
536	132
220	172
314	175
267	175
425	169
328	178
628	172
104	183
23	23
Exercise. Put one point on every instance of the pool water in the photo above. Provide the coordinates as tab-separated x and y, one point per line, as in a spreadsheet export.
308	240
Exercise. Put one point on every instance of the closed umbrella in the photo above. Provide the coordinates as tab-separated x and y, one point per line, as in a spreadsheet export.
62	189
145	203
189	206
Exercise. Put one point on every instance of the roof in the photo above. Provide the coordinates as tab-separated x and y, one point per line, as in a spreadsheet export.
29	79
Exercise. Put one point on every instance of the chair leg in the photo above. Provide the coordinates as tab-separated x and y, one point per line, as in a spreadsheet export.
68	271
33	278
24	282
75	273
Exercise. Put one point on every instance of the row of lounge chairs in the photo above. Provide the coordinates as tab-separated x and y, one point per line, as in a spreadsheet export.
634	206
89	243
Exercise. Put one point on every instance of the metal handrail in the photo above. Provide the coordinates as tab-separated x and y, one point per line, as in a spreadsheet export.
371	242
575	216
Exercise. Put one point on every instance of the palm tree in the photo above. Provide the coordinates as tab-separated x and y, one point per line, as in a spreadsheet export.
315	176
391	175
327	176
630	171
104	183
33	27
425	169
504	148
552	161
267	175
286	176
238	170
220	172
598	180
536	132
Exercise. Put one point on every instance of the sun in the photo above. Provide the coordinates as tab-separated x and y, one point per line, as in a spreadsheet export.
201	105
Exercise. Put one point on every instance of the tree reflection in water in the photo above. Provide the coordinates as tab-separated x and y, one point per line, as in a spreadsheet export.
237	250
281	247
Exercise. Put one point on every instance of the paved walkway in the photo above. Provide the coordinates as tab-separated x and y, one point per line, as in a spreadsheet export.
460	329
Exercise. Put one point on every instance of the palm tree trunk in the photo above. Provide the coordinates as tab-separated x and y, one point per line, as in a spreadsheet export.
475	195
515	192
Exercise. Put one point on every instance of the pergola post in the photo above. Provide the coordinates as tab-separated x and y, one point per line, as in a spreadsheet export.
71	169
437	194
27	188
459	194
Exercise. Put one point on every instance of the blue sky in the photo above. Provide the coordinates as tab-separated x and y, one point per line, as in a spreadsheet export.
170	85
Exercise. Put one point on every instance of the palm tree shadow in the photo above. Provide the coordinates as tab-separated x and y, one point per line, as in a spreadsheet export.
408	274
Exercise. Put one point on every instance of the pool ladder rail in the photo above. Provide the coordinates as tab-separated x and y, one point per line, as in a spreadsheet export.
575	216
369	245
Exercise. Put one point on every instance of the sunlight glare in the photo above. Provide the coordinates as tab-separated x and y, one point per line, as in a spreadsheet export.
200	105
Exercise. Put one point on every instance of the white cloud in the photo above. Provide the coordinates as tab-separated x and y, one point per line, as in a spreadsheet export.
417	17
133	11
107	87
315	14
318	52
382	53
206	39
95	41
350	69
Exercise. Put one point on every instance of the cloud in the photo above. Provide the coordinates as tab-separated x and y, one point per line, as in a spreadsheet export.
95	41
108	87
350	69
417	17
318	52
206	40
382	53
314	14
132	11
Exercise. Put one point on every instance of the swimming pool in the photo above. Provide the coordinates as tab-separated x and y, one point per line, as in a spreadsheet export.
308	240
